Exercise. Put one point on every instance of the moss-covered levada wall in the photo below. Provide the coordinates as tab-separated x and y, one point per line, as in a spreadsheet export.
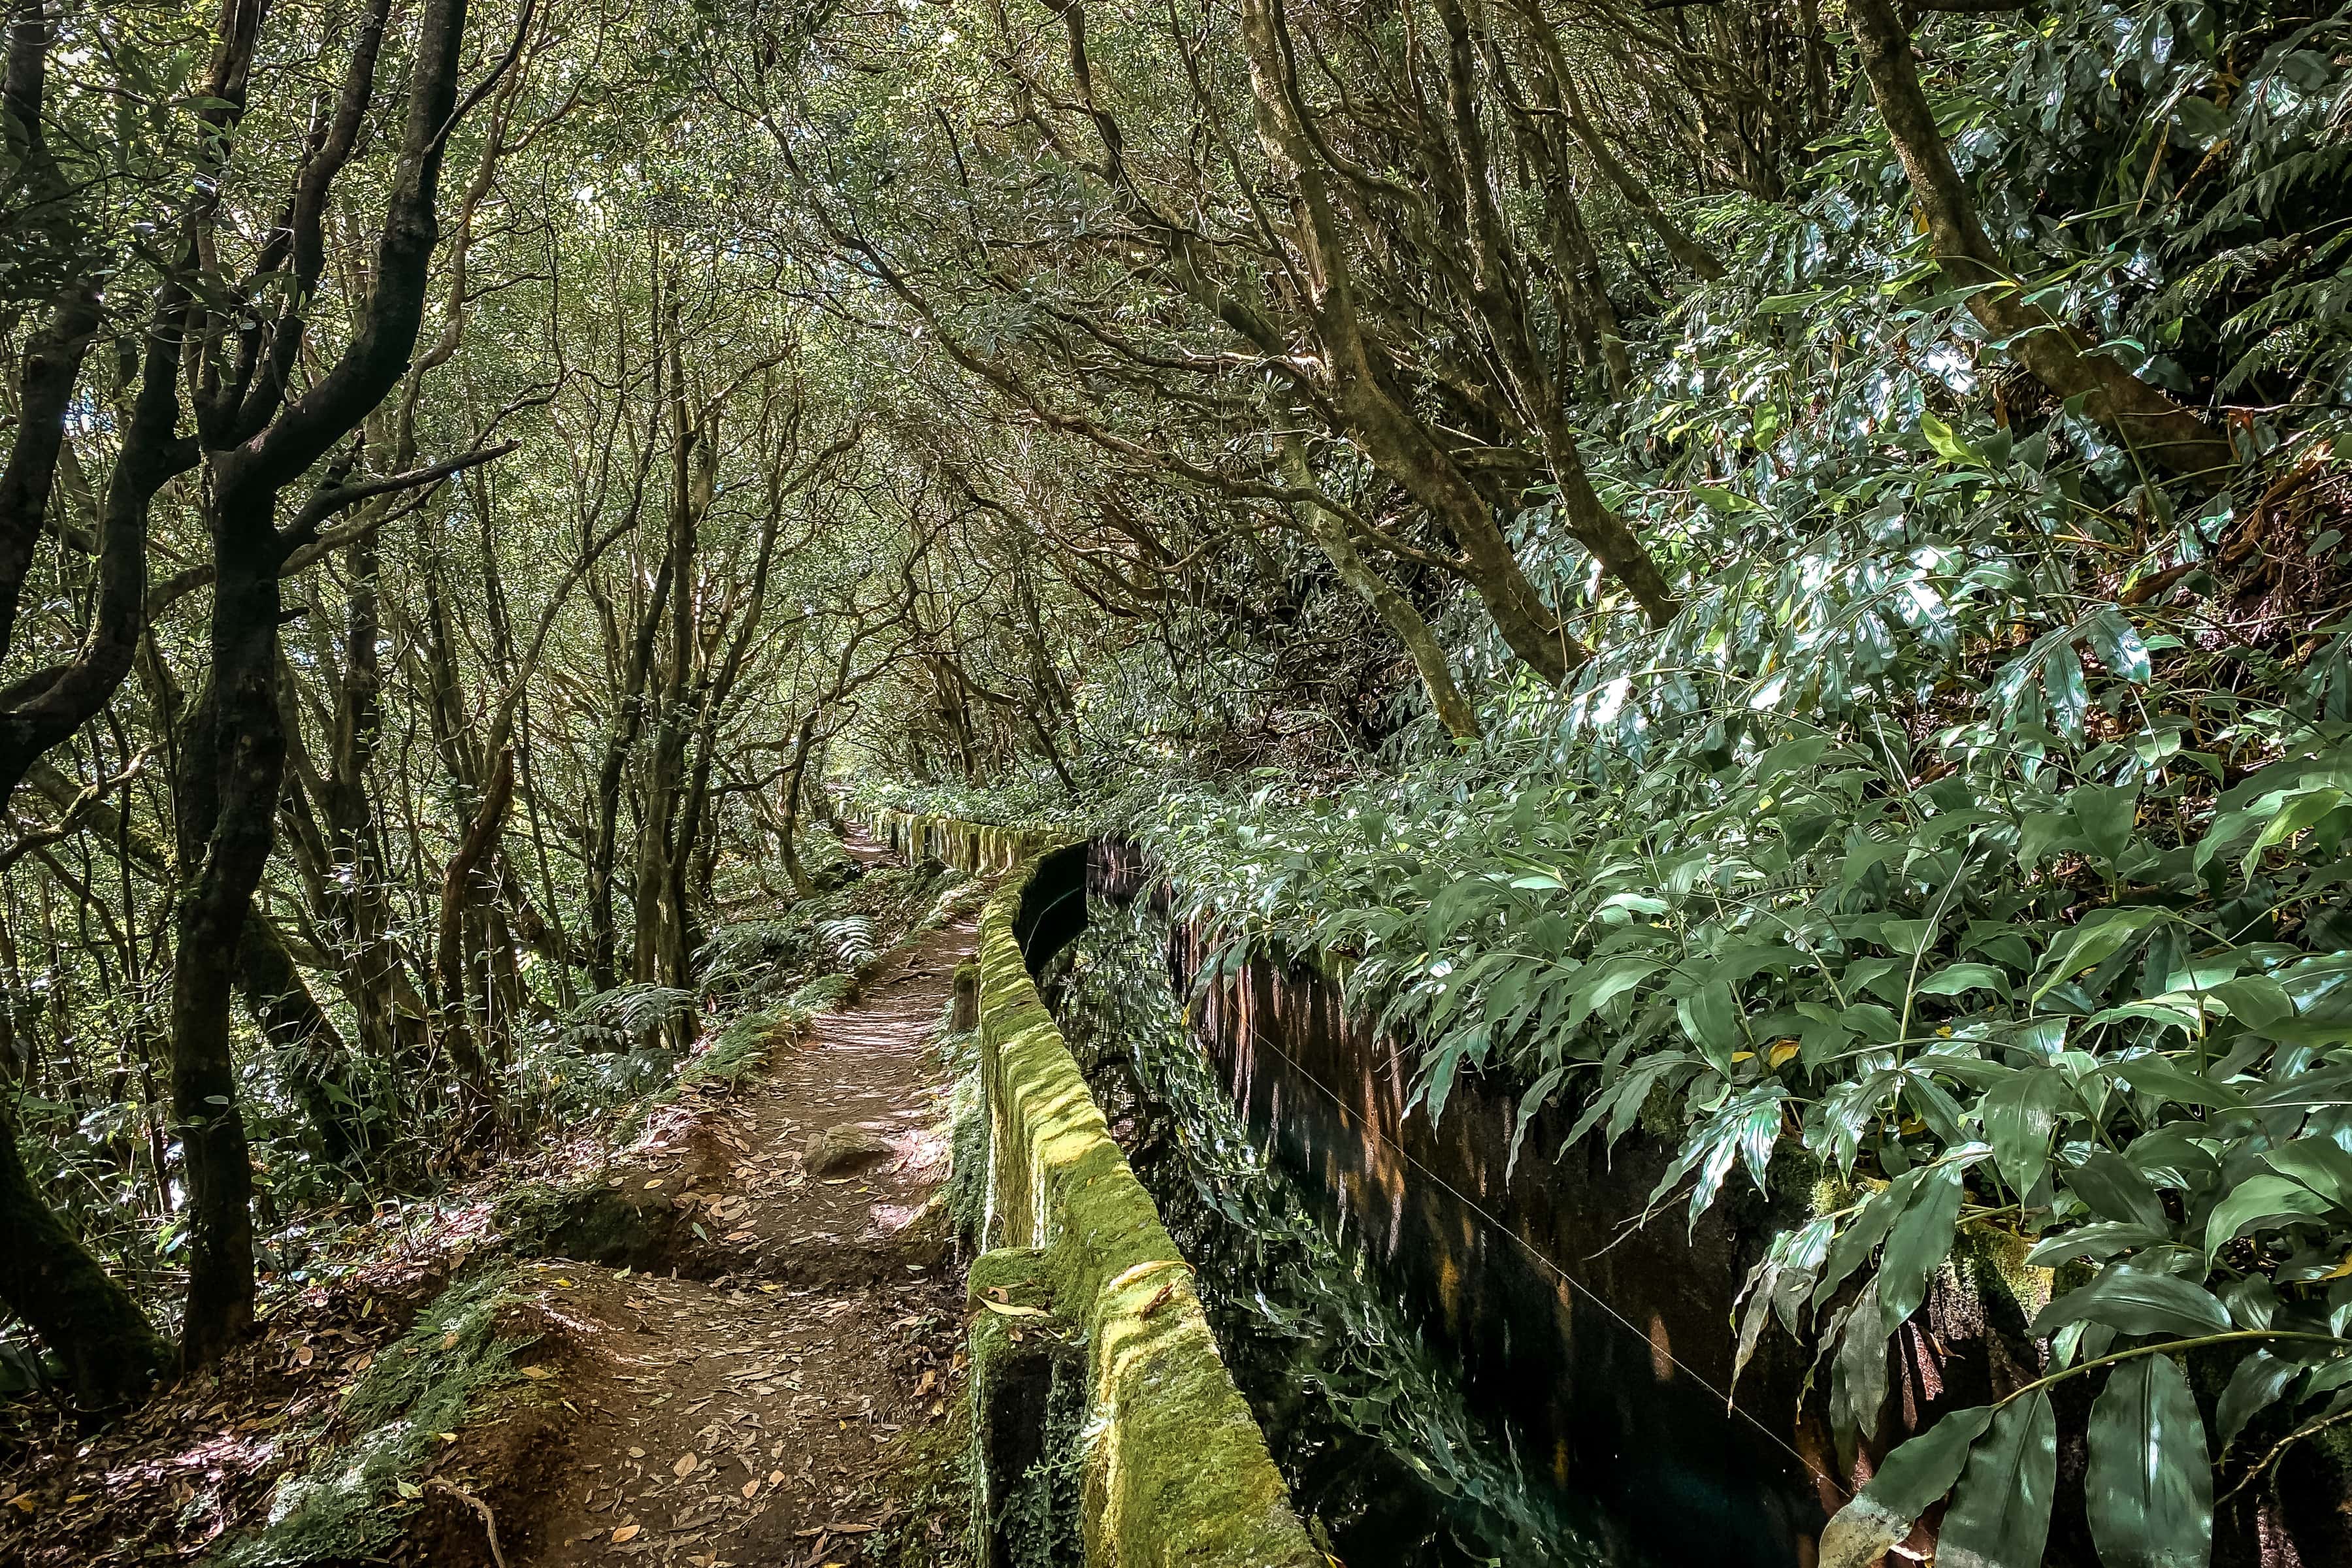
1172	1468
969	847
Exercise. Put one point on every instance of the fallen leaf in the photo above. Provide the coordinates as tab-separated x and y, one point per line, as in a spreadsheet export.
626	1532
685	1466
541	1373
1011	1311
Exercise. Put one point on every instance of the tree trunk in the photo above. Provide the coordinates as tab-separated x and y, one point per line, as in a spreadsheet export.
2061	358
1688	253
228	800
461	890
112	1354
1395	611
319	1061
1389	433
353	893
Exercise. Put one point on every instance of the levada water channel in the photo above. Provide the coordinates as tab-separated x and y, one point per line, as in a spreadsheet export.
1371	1426
1456	1360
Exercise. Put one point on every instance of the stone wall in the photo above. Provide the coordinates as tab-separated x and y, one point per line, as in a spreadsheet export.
1090	1353
972	847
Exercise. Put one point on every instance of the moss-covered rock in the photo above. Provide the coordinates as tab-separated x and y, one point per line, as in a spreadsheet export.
353	1497
620	1227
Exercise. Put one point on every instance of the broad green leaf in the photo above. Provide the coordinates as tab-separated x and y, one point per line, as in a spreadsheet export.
2319	1164
1910	1479
2118	645
2019	1116
2148	1487
1918	1244
2170	1083
2098	938
1855	1243
2256	1001
1804	1253
2107	1182
2303	809
2261	1202
1999	1516
2099	1240
2132	1302
2171	1156
2257	1380
2040	832
2184	1018
1909	938
1955	978
1442	1065
1858	1381
1529	1103
1710	1017
1947	444
2106	814
1608	981
2062	679
1723	500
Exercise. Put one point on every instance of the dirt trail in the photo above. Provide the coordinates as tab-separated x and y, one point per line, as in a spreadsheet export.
783	1411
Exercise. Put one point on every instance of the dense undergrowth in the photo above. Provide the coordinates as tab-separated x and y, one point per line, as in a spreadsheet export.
349	1501
1976	831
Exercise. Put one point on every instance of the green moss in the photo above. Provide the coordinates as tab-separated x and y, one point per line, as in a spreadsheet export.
347	1502
1176	1470
741	1049
822	994
1028	1415
592	1220
967	1183
1991	1263
969	846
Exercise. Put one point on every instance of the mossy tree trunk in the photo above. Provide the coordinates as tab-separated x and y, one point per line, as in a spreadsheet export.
112	1354
2061	357
1404	622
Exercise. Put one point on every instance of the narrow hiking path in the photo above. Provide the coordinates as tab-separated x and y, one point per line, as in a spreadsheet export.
786	1407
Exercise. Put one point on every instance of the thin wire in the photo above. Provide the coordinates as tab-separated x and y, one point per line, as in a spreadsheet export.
1529	1247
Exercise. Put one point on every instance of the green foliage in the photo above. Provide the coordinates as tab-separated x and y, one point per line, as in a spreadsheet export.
1916	848
353	1497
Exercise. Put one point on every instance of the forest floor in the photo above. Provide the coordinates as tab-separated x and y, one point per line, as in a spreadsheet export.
787	1391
